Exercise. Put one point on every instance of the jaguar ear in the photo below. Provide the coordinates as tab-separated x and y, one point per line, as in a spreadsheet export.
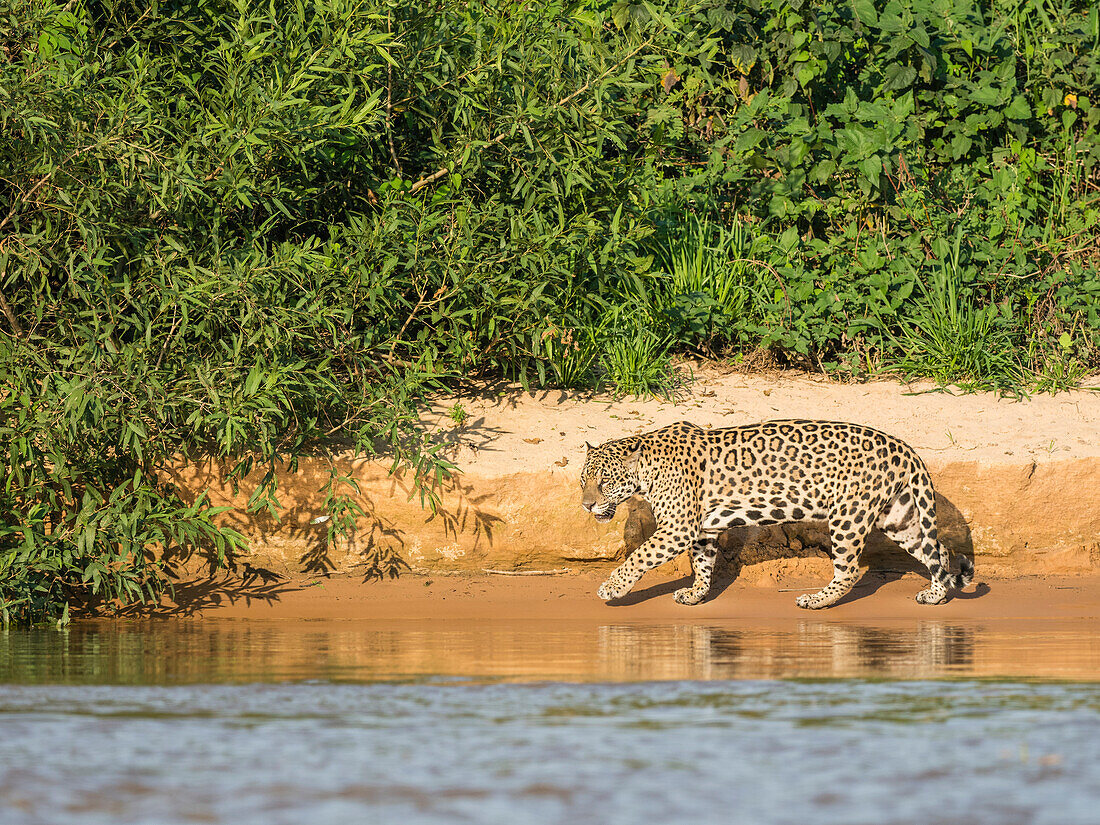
590	446
631	458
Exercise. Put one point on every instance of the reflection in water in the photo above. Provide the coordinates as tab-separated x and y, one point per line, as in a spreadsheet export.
174	652
810	650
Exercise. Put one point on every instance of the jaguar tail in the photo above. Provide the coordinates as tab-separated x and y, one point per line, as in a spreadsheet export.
965	574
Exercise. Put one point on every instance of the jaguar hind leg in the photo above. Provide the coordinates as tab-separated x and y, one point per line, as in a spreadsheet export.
910	521
848	532
703	555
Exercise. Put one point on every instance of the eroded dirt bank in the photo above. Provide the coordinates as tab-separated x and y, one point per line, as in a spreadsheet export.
1019	484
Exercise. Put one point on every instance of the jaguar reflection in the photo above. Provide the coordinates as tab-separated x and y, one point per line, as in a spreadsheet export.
806	650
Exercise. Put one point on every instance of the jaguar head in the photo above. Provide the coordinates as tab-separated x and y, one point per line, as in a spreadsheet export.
609	477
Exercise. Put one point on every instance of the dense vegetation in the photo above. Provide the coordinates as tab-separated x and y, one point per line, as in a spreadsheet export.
261	230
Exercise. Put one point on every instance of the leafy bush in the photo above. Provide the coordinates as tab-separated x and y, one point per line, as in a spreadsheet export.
948	335
857	140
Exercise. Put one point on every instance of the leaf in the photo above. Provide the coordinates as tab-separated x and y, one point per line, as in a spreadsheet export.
662	113
899	77
747	140
919	35
743	57
872	168
865	11
988	95
588	18
788	240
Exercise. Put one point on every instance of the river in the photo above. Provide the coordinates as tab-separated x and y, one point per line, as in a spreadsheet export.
215	721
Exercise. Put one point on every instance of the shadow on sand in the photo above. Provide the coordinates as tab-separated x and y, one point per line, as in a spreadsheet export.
885	561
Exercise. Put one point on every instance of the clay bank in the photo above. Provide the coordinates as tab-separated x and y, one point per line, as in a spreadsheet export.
1018	484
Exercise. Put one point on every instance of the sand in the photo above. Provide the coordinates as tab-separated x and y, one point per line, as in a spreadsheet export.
413	597
509	430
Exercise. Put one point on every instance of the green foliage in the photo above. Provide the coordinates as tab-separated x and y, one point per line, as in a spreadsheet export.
635	351
457	413
705	281
257	232
176	285
855	142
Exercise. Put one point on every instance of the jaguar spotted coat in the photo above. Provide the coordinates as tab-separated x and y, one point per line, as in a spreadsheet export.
700	482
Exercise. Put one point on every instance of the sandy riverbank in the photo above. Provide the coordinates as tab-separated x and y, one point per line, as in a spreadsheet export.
572	597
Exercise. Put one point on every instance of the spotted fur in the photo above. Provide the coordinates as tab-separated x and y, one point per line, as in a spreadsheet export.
701	482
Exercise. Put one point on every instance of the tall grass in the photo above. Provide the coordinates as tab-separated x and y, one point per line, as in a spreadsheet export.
948	335
705	283
708	260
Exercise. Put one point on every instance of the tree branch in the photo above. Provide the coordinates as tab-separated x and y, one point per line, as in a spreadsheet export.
6	307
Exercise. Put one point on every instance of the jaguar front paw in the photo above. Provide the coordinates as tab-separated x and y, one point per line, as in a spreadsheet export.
689	595
611	590
813	601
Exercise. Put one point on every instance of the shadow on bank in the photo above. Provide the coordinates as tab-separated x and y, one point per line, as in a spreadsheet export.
882	559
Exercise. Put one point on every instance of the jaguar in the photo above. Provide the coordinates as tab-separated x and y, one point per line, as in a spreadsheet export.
700	482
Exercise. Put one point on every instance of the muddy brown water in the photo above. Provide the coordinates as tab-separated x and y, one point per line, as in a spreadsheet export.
485	721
